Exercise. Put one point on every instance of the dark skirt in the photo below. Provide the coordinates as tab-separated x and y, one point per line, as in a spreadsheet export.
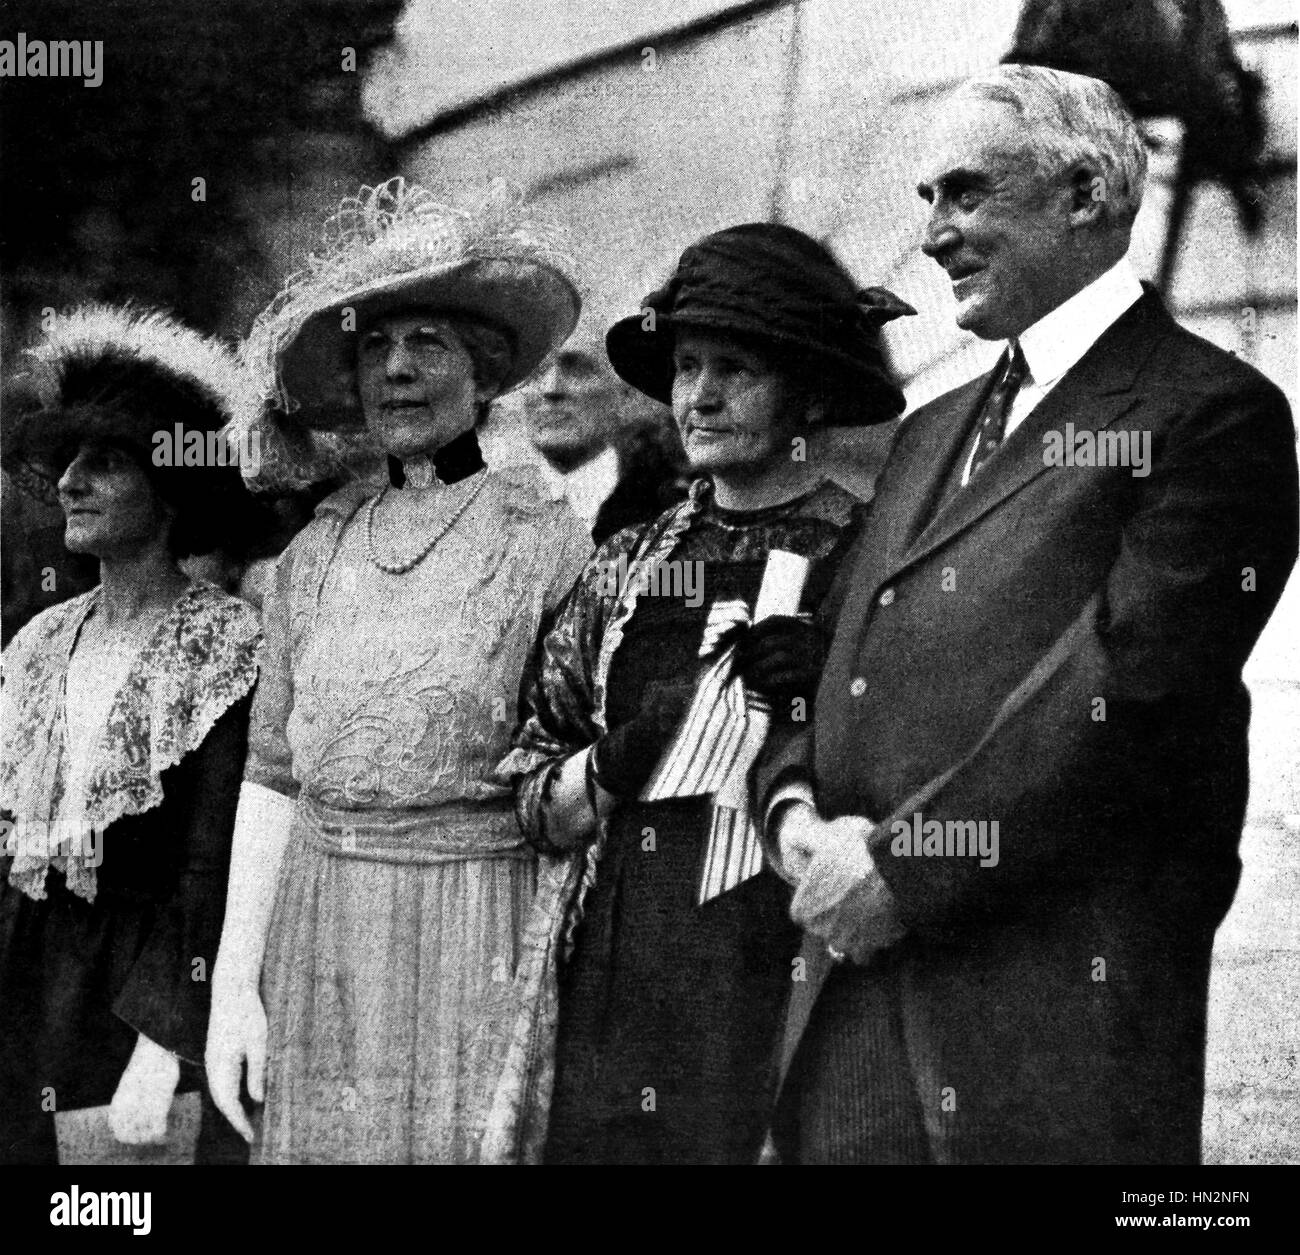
670	1013
79	981
63	965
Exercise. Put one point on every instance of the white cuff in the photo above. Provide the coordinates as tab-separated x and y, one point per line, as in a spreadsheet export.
795	791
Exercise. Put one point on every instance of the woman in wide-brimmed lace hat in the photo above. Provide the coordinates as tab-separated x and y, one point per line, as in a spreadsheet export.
379	879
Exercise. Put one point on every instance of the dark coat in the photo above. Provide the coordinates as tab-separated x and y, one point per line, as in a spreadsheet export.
1118	835
79	981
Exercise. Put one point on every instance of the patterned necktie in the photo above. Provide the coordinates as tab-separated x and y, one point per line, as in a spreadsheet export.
993	422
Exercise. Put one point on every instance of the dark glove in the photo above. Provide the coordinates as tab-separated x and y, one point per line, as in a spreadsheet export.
624	758
781	658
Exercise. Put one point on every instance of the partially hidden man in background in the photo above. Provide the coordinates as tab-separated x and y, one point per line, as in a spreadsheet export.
615	461
1043	628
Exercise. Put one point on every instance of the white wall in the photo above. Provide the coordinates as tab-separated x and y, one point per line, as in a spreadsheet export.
448	52
687	149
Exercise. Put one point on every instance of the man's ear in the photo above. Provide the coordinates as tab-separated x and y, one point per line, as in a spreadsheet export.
1088	196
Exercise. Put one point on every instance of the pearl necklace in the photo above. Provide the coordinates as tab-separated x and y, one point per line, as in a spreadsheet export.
402	565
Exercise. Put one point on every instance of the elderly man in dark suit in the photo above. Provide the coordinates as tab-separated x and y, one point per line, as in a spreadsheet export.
1014	820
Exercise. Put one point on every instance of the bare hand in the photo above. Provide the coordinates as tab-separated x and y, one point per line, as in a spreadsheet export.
236	1033
796	839
837	862
842	898
138	1113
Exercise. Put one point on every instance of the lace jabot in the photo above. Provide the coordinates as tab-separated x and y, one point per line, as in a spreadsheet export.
198	663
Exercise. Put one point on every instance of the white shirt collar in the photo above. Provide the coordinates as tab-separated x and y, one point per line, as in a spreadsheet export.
588	486
1060	338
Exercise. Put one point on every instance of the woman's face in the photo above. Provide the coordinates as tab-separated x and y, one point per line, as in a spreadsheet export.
730	406
109	505
416	380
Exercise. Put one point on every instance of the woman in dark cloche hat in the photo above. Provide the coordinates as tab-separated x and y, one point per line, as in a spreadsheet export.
658	963
125	715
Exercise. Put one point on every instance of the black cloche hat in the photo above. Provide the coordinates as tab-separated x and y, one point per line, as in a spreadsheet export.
775	285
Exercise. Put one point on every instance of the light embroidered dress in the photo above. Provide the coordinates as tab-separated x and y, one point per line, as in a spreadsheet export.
386	702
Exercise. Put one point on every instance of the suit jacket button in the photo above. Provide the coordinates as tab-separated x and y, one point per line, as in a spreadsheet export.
886	598
858	686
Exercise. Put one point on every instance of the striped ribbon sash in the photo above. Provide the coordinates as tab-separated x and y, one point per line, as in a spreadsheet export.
711	754
734	852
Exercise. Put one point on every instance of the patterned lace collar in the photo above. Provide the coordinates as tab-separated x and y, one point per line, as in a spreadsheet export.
200	660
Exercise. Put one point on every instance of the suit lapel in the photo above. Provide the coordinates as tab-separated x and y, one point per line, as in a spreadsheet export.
925	456
1095	393
914	473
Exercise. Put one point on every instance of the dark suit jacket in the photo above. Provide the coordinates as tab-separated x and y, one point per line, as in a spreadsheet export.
1118	825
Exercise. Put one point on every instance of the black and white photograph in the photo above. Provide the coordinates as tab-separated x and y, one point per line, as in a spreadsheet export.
642	584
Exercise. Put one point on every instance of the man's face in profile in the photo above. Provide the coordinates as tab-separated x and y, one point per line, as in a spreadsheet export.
999	224
573	405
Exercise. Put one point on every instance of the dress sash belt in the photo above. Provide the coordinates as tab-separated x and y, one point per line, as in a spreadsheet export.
424	835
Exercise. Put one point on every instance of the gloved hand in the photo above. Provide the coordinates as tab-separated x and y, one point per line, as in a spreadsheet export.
780	658
625	757
236	1035
138	1113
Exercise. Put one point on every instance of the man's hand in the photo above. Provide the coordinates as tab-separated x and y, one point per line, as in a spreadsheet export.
841	897
138	1112
798	838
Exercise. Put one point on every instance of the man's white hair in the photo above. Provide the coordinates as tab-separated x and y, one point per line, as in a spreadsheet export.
1072	119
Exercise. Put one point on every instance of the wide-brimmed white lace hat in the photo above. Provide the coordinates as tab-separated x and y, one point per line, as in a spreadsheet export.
396	247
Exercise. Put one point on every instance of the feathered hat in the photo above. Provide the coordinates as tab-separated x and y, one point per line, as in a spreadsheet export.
391	248
137	378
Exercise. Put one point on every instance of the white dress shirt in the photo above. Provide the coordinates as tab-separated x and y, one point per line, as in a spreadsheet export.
587	487
1058	340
